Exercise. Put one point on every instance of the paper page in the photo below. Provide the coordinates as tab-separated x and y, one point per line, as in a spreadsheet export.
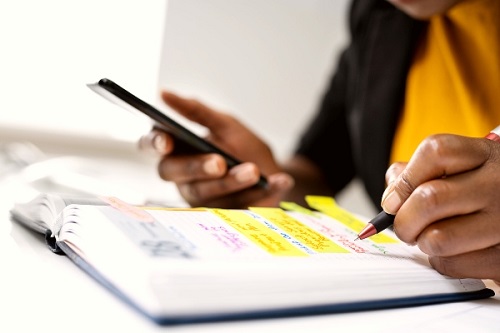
296	257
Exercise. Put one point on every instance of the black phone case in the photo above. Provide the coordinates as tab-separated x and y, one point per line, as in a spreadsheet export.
187	143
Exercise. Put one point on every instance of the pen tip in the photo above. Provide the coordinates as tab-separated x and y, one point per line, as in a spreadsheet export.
356	238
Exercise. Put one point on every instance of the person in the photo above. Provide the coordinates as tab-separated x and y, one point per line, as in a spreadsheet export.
412	71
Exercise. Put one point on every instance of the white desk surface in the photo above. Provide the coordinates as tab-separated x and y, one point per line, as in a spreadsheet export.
44	292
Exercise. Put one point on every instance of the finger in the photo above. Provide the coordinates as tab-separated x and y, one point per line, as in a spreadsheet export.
182	169
394	171
391	175
157	141
483	264
278	185
436	157
238	178
440	199
195	111
459	235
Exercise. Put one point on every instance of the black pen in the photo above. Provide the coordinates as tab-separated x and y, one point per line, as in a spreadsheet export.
384	220
381	222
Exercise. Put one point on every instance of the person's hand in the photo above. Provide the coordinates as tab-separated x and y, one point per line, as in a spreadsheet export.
204	179
447	201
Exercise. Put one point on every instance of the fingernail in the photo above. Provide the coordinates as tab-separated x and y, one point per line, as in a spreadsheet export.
160	144
243	173
388	190
391	201
212	167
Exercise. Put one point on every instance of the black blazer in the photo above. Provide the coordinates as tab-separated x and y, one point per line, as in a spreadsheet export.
351	135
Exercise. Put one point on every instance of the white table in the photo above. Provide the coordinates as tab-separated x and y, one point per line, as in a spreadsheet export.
44	292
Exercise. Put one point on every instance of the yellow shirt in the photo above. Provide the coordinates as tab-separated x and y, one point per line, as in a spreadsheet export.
453	85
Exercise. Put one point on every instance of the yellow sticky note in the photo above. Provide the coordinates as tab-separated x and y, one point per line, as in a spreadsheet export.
307	236
292	206
267	239
328	206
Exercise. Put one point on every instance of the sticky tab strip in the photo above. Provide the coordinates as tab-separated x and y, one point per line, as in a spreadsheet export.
328	206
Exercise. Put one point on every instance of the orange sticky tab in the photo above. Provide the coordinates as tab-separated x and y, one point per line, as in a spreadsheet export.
132	211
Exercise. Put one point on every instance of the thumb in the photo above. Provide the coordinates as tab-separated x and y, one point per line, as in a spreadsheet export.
396	193
394	171
391	198
195	111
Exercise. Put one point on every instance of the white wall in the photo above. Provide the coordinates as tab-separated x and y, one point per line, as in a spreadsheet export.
52	48
265	61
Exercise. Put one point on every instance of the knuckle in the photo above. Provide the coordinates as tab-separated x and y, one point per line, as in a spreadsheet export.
433	146
189	192
217	187
193	168
457	266
404	186
445	265
393	171
436	149
179	170
429	194
403	235
163	170
434	242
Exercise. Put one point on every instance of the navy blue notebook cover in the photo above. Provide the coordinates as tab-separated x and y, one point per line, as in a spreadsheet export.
279	312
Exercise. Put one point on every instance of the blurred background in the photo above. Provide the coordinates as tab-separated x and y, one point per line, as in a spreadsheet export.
51	49
265	61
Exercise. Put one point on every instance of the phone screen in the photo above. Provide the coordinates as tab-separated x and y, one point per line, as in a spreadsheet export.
187	142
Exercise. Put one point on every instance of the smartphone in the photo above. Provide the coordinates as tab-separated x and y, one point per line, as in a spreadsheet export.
187	142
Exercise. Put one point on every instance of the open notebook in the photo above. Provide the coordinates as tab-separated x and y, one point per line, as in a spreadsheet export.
197	264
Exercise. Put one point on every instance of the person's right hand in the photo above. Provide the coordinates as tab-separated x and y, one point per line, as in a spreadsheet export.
446	201
204	179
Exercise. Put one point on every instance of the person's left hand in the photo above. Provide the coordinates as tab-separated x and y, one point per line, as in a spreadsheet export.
447	201
204	179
